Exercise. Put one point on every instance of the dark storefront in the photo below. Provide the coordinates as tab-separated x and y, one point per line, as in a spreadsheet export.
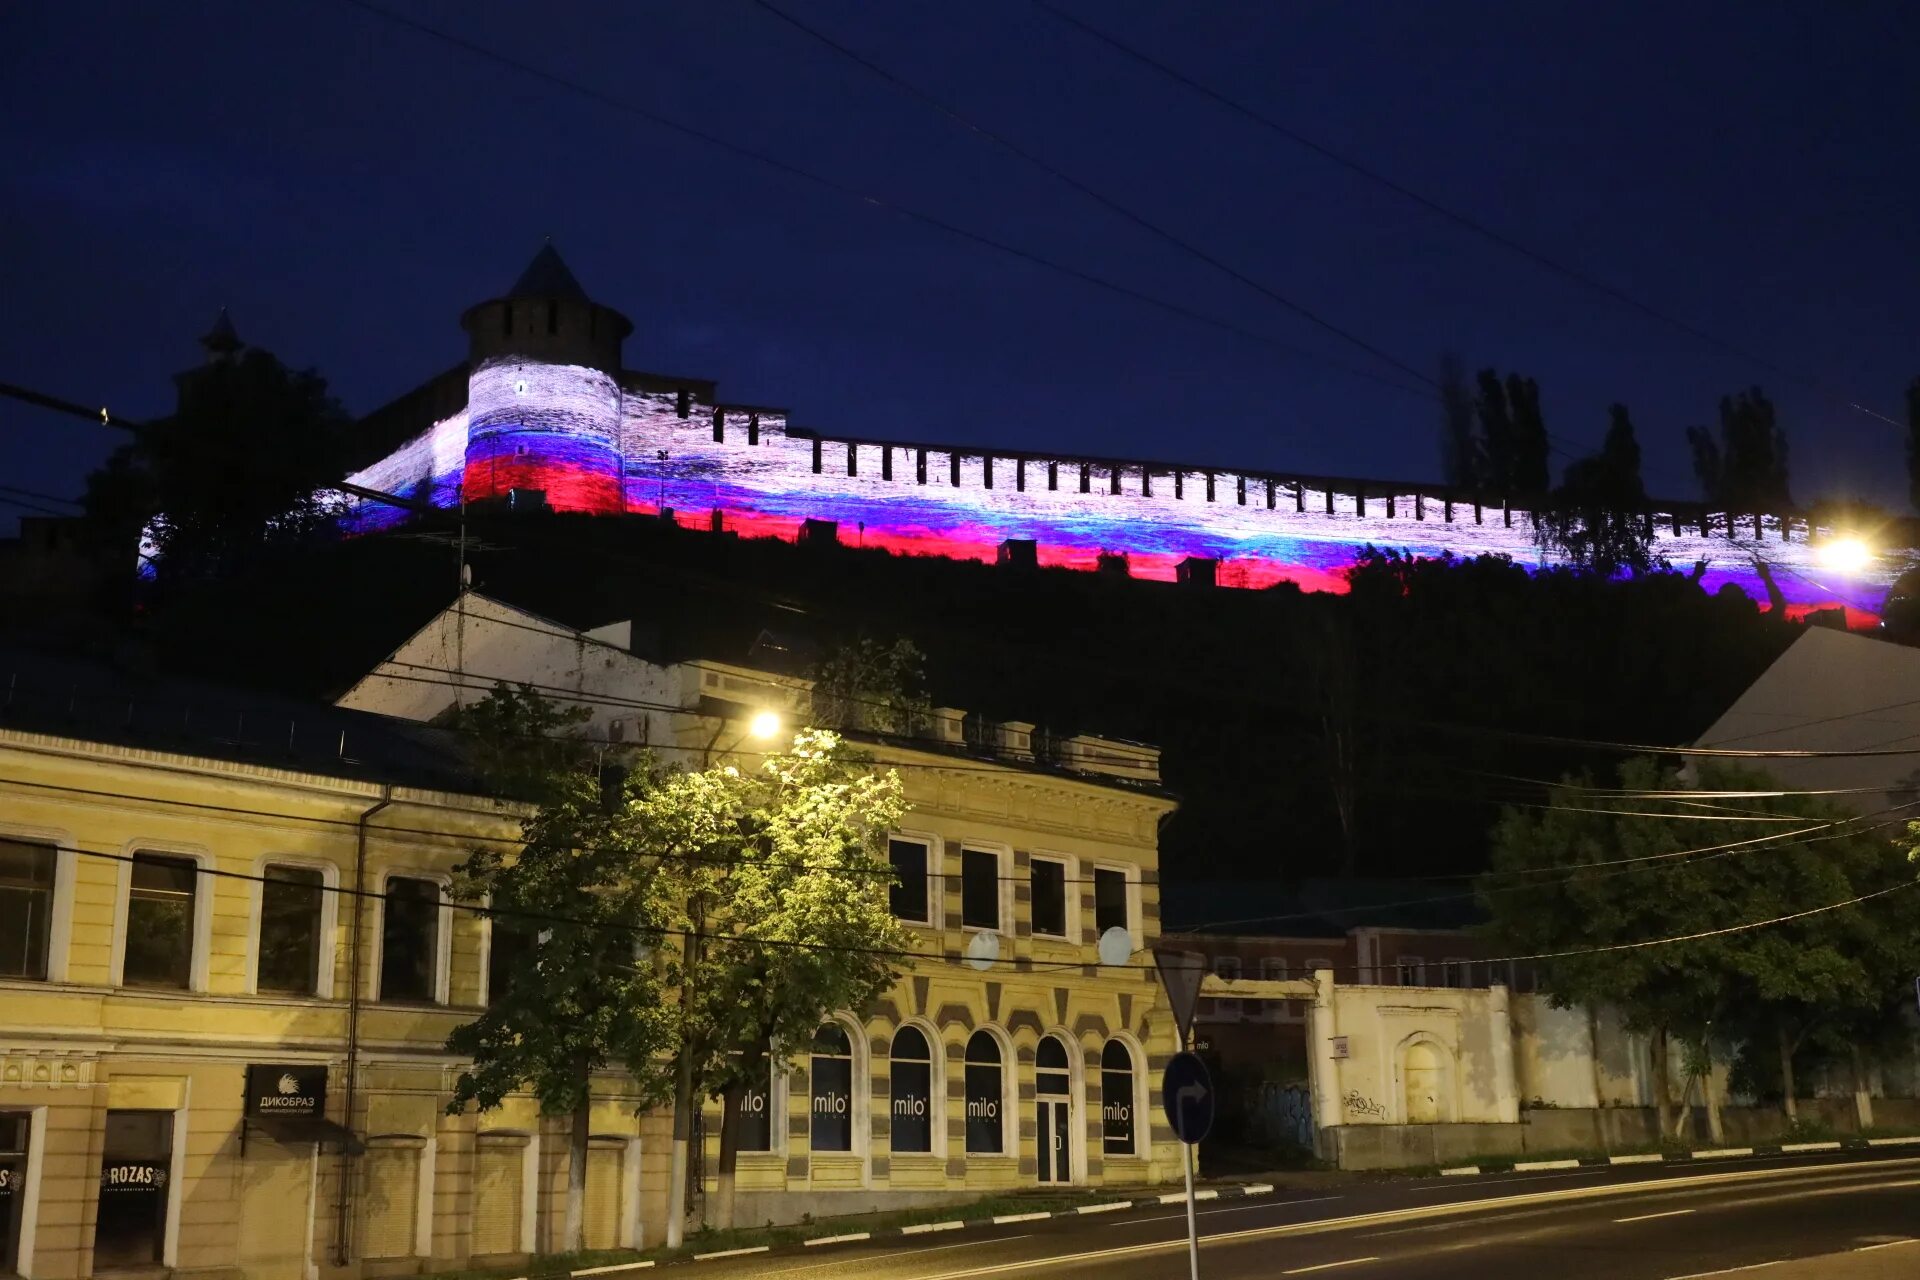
136	1175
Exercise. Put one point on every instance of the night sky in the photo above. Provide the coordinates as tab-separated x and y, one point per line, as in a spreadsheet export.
346	187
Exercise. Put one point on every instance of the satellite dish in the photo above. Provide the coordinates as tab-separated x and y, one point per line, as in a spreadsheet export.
983	949
1116	946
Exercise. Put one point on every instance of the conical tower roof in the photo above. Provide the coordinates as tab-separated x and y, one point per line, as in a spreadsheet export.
222	339
547	277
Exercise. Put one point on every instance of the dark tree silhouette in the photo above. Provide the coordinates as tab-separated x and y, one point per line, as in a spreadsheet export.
1496	432
1745	468
1459	448
1597	517
1513	434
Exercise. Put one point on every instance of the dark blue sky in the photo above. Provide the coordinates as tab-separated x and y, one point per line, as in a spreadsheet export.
347	187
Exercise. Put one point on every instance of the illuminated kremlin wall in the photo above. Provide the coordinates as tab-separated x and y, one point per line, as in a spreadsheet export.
591	444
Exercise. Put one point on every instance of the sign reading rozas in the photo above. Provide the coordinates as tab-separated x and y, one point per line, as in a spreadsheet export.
274	1090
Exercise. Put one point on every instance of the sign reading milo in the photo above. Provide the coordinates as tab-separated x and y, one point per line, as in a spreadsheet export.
277	1090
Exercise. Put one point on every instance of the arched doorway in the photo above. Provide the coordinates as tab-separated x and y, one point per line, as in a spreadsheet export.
1053	1097
1423	1074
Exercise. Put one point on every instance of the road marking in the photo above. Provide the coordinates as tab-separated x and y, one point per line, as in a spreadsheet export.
732	1253
1649	1217
1108	1207
1528	1166
897	1253
1328	1266
1809	1146
1005	1218
1461	1171
618	1266
1727	1271
846	1239
1462	1208
1722	1153
1494	1182
921	1228
1238	1208
1884	1244
1891	1142
1257	1189
1652	1158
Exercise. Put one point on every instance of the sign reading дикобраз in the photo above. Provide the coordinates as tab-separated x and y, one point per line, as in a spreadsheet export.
279	1090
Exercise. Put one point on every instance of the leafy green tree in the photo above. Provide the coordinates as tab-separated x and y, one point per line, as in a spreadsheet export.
779	892
1597	517
1745	467
242	467
872	687
1564	880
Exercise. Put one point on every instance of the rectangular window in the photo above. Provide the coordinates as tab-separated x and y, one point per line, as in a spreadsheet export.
1456	972
290	902
136	1166
979	889
1411	971
908	897
1109	900
756	1117
160	922
1227	967
410	940
1049	898
26	907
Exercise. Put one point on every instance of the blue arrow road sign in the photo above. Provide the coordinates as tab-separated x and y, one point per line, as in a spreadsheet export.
1186	1094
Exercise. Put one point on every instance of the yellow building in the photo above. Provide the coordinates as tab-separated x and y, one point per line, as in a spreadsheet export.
211	1061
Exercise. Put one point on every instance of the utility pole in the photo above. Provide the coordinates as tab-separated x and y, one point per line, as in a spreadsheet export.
683	1092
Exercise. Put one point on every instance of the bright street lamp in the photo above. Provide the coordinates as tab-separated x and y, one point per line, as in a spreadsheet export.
764	725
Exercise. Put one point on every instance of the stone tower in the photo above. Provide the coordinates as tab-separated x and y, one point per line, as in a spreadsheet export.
543	397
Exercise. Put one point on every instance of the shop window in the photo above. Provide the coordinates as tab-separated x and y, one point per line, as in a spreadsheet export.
979	889
832	1073
161	908
1116	1100
410	940
290	910
136	1175
1049	897
986	1096
755	1129
26	907
908	897
911	1098
14	1131
1109	900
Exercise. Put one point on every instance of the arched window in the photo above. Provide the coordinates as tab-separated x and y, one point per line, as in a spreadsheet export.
912	1100
985	1095
832	1127
1116	1099
1050	1075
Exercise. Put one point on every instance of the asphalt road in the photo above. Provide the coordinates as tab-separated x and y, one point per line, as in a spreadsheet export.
1838	1218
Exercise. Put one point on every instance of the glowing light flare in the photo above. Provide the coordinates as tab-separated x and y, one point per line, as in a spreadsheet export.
765	725
1843	554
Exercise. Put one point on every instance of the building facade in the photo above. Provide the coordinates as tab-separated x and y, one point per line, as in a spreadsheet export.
544	412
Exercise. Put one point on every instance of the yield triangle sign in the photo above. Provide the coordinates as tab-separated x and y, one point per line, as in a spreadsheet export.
1181	973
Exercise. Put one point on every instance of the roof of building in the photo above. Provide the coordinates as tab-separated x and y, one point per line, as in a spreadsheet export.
1833	691
547	277
1315	908
99	701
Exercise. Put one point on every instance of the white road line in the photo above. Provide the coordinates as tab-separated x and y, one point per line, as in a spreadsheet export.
1650	1158
1328	1266
1257	1189
1494	1182
1238	1208
732	1253
1005	1218
1649	1217
1809	1146
1722	1153
921	1228
618	1266
1884	1244
897	1253
1528	1166
846	1239
1891	1142
1727	1271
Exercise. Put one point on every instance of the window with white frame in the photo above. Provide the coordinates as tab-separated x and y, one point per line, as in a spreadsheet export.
162	919
292	940
1117	1100
27	874
1048	877
831	1112
908	897
1228	969
410	940
979	889
1274	969
910	1092
985	1091
1111	896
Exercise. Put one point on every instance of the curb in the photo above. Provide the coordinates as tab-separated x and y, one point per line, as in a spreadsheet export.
1702	1155
1232	1191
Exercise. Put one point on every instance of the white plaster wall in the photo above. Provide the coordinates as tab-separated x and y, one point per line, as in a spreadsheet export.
1469	1026
1553	1054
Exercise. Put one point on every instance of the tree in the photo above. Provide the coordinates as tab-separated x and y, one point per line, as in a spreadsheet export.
1597	517
574	905
1497	445
1513	434
1913	443
1745	468
873	687
240	468
778	884
1459	449
1763	990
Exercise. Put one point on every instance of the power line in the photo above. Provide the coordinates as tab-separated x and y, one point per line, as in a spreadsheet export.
1105	201
865	197
1455	216
1645	748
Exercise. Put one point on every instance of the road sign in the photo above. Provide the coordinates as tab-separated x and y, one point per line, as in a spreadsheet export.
1186	1094
1181	973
